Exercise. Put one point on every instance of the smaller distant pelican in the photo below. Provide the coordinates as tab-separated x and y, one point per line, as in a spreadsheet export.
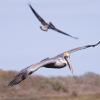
59	61
47	26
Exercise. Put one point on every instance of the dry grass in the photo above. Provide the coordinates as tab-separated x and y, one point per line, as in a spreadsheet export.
86	87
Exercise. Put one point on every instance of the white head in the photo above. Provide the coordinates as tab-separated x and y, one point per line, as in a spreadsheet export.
66	54
44	28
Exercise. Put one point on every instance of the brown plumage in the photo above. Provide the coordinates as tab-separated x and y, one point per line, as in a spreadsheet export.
59	61
49	25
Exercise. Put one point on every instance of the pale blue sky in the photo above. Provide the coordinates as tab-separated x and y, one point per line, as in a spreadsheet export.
22	43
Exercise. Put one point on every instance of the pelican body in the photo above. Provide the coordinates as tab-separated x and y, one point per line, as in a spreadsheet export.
59	61
45	26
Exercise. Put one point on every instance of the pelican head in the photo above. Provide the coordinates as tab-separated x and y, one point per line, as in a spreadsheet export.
41	28
66	54
44	28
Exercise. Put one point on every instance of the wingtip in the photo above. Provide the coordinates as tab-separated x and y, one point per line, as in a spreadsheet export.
76	38
29	4
18	79
14	82
11	84
98	43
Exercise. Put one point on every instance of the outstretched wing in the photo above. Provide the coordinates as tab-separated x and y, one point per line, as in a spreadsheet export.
51	26
23	74
38	16
45	59
83	47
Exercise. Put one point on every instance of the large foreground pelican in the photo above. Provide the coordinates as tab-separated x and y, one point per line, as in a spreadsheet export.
58	61
45	26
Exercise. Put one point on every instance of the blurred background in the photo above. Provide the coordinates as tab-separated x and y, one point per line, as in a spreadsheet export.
22	43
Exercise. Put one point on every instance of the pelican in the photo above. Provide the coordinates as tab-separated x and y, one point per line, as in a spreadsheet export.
45	26
59	61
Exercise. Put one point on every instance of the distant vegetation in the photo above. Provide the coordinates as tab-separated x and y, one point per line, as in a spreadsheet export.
85	87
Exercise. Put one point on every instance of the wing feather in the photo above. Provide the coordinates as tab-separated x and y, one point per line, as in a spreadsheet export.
38	16
23	74
83	47
54	28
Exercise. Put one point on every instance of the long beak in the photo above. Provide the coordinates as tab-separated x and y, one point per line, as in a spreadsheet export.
69	65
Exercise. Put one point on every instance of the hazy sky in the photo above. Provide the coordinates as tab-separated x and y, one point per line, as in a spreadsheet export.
22	43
